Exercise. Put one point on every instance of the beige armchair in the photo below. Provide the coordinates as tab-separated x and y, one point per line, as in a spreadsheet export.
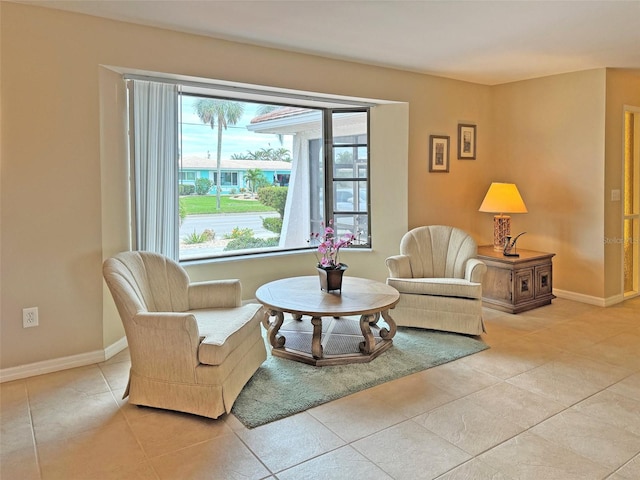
439	280
193	346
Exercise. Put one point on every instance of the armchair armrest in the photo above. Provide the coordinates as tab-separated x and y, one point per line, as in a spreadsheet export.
475	270
164	345
399	266
215	294
167	321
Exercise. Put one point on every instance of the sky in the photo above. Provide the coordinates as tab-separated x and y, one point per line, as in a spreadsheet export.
198	138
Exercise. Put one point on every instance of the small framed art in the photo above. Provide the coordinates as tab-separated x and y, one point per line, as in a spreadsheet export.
466	142
438	153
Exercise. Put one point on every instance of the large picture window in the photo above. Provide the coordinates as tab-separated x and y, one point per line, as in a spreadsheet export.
258	176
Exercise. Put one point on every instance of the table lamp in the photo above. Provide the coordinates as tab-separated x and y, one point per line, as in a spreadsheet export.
502	198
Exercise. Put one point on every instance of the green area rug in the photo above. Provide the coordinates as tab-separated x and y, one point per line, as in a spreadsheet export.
283	387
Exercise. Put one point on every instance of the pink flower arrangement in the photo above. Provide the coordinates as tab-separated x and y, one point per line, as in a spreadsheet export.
330	246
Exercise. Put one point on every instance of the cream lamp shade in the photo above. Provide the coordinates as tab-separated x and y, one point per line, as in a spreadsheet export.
502	198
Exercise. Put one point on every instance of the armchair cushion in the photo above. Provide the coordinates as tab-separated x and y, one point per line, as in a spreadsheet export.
446	287
223	330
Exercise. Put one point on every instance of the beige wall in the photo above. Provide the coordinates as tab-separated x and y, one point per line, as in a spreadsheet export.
450	198
560	139
549	140
63	162
623	89
64	171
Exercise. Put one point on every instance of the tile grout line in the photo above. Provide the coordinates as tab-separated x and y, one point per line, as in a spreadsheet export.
251	450
33	430
554	443
126	419
476	457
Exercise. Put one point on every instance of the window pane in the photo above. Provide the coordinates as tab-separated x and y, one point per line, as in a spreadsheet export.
316	181
350	161
355	224
272	176
252	153
350	173
631	174
349	128
350	196
631	251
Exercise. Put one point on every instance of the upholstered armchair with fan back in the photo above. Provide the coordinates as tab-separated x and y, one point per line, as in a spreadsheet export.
193	346
439	280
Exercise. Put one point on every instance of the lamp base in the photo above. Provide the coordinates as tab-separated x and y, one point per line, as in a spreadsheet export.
501	229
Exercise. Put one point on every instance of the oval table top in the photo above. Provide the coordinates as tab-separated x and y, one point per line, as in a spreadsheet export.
302	295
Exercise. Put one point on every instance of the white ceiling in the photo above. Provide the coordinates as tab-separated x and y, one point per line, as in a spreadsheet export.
488	42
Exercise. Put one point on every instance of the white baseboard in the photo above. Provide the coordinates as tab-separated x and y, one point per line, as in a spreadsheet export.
613	300
64	363
115	348
591	300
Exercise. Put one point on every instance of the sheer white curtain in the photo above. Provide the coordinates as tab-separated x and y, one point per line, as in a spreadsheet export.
155	138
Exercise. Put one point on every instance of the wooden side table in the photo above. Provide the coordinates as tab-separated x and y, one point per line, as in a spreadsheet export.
516	284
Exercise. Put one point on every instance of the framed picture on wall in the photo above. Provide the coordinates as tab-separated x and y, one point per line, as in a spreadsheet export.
466	142
438	153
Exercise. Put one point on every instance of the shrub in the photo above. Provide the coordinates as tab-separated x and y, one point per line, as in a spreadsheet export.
205	236
238	233
182	210
203	185
243	243
209	234
274	197
273	224
186	189
243	238
262	182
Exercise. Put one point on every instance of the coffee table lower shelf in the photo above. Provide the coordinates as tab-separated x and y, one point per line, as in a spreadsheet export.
341	341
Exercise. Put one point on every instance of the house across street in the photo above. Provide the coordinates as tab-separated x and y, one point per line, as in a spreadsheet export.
232	172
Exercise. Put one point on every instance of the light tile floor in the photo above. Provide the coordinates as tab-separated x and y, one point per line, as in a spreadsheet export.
557	396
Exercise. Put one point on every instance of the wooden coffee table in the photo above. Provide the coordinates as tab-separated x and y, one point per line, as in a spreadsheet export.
341	339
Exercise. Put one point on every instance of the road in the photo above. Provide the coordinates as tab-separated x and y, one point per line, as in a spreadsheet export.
223	223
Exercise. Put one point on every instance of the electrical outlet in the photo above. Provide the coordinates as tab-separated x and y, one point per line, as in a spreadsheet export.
30	317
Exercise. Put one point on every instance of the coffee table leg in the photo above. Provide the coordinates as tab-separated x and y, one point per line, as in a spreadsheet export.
265	318
369	343
316	344
388	334
276	340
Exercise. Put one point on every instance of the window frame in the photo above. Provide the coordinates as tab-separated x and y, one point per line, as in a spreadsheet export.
327	158
331	209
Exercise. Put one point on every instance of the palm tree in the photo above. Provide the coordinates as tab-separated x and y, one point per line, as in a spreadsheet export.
220	113
252	176
282	154
263	109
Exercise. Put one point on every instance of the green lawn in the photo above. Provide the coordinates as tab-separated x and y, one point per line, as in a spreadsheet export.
200	204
